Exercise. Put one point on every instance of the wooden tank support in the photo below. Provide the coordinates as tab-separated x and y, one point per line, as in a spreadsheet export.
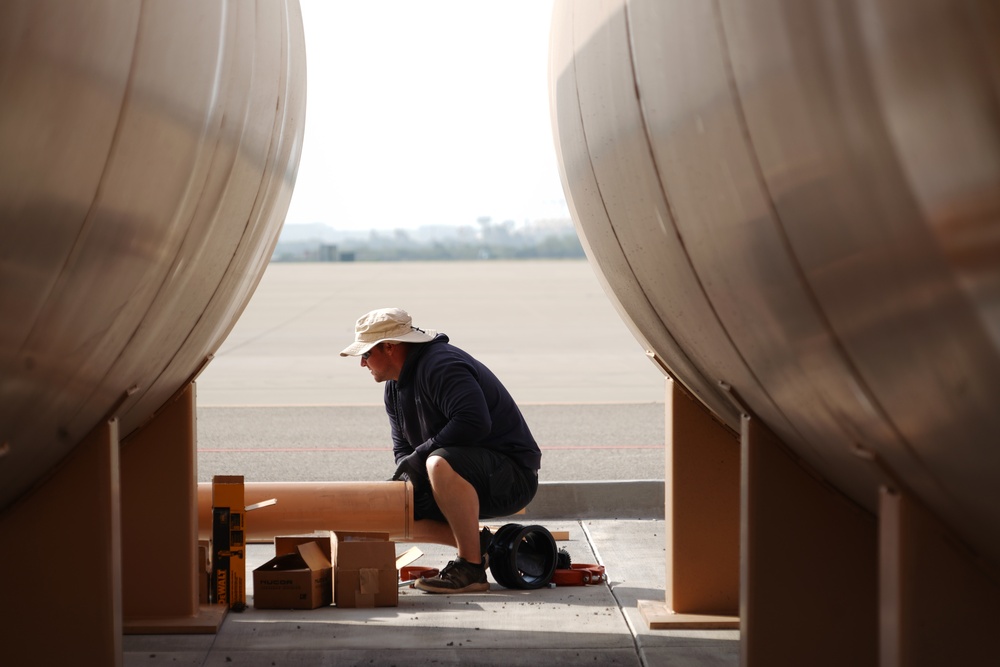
165	512
814	578
808	573
702	520
128	512
60	554
930	588
159	525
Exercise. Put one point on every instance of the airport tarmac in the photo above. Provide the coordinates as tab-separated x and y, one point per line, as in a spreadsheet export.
546	328
279	404
352	443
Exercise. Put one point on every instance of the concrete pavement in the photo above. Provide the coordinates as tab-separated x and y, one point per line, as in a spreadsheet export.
597	624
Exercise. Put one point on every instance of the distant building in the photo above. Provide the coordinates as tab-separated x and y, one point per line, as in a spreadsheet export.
328	252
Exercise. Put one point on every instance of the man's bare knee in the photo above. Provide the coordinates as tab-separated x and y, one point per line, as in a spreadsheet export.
437	466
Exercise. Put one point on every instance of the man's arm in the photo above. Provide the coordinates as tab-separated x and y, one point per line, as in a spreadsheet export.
400	445
453	388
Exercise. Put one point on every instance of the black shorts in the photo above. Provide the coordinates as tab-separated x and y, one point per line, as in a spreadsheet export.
503	486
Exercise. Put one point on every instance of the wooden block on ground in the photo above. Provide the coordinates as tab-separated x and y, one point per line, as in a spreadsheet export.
207	622
557	535
659	617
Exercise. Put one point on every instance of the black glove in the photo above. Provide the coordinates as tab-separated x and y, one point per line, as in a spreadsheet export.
412	466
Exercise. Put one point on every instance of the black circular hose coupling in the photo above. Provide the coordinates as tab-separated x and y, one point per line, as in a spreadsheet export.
522	556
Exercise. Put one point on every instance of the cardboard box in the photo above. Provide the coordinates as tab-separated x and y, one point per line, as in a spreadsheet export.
300	580
289	544
364	570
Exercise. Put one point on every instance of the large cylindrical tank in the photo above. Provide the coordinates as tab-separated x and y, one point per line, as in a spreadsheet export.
801	201
147	156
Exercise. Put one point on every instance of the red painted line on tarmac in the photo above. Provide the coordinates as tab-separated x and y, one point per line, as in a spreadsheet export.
288	450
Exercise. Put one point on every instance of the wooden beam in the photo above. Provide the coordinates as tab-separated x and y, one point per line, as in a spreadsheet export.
702	520
938	605
60	551
808	566
160	525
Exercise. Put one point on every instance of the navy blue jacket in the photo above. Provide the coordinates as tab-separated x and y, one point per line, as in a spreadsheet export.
446	398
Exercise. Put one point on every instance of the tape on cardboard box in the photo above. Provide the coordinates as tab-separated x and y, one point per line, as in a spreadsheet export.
365	573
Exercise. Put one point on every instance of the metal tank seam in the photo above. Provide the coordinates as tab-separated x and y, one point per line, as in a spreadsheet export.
261	200
797	268
680	351
221	59
680	238
88	223
89	217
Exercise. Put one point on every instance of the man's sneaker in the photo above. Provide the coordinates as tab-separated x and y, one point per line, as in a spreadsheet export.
458	576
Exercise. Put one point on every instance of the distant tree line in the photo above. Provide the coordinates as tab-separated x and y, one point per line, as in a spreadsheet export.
549	248
399	246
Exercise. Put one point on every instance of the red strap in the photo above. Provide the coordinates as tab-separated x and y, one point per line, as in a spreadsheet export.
579	574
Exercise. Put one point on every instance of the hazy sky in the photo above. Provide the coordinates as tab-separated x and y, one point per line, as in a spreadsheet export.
430	112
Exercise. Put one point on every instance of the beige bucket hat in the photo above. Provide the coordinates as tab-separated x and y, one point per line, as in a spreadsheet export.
385	324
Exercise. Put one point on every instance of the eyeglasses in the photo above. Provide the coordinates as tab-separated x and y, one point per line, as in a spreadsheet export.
369	352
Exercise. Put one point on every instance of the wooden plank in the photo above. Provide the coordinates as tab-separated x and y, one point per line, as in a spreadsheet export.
160	573
808	564
159	519
660	617
938	605
62	557
702	509
206	621
557	535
